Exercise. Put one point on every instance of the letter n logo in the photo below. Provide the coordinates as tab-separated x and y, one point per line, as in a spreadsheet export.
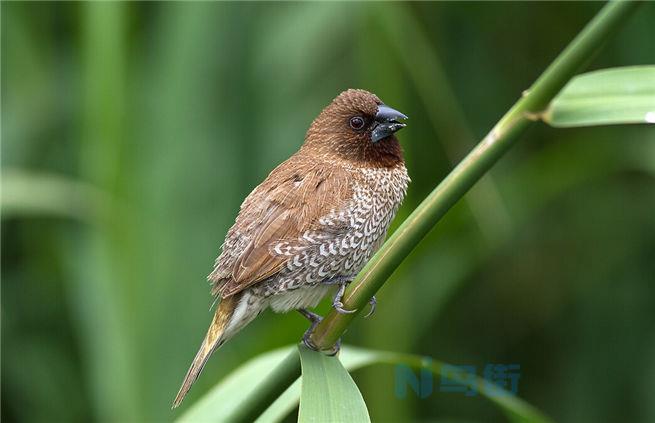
421	384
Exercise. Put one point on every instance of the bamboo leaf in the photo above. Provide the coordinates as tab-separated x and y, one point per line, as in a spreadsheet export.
26	193
607	97
225	397
328	392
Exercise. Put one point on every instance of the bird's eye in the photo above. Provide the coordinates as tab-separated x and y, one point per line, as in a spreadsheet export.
357	122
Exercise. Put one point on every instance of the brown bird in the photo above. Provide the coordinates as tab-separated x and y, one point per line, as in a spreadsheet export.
312	224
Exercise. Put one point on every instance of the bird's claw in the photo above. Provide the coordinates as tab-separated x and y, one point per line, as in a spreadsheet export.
335	349
373	302
307	341
312	317
331	352
315	319
306	338
338	306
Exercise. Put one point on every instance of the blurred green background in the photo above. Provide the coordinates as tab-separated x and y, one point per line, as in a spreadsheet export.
131	132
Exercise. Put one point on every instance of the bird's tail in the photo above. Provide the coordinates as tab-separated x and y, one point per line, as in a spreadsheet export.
223	326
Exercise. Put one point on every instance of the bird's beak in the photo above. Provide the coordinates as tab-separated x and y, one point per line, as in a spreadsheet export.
386	122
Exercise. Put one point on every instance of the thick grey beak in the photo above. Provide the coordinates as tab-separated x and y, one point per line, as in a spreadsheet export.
386	122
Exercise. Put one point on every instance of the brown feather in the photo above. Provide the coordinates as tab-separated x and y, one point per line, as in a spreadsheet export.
213	340
286	205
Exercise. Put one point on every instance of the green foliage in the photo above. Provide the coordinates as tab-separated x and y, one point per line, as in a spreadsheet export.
27	193
328	393
221	401
605	97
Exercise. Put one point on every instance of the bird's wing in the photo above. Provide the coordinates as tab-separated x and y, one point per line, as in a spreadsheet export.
288	203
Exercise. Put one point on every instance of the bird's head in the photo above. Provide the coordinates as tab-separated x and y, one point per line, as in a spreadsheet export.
357	126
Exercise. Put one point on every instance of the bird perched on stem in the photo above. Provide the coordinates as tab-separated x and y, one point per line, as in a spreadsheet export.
312	225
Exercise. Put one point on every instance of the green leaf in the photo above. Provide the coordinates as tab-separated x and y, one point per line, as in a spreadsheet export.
224	398
328	393
606	97
26	193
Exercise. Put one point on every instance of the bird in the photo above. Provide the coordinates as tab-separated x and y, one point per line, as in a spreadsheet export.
312	224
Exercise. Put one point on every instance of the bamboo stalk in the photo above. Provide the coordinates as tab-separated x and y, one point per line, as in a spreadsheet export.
504	134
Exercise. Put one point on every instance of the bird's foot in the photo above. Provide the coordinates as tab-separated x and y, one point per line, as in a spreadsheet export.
315	319
309	344
335	349
373	302
307	341
337	304
311	316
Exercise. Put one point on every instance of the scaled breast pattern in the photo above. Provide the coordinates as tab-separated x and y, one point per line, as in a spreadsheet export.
345	239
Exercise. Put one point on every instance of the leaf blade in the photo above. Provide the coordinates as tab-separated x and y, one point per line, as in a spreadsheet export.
223	398
219	403
328	392
624	95
27	193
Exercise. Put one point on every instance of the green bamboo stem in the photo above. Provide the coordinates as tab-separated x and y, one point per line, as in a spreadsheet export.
445	195
471	169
